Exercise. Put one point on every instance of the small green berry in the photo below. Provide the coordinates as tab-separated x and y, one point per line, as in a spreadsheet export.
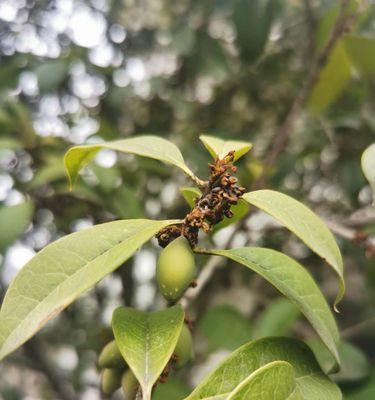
184	347
111	380
129	385
110	357
175	269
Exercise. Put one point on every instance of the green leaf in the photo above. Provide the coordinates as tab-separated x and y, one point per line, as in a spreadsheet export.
296	395
303	223
354	364
252	21
126	204
108	178
310	380
62	271
219	148
190	194
274	381
364	392
209	58
147	340
368	165
332	80
277	319
361	51
147	146
52	171
214	326
292	280
14	221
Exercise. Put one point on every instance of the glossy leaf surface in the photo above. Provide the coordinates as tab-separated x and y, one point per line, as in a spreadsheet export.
311	382
291	279
305	224
220	148
147	146
147	340
62	271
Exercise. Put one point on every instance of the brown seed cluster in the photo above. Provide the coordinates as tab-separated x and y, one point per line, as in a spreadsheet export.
220	194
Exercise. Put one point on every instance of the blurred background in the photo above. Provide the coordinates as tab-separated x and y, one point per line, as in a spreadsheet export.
83	71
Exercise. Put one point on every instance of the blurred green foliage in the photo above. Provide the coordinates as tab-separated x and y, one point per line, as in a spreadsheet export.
88	71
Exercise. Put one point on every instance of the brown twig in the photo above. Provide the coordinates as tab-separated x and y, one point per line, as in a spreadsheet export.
353	235
357	329
361	217
281	139
311	27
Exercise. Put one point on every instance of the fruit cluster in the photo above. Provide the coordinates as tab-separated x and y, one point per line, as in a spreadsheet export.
176	269
115	373
221	192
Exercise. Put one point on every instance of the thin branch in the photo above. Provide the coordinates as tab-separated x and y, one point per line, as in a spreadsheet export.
197	181
354	235
352	331
281	139
282	135
363	216
203	278
311	27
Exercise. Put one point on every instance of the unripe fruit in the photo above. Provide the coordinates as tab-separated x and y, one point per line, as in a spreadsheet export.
129	385
111	380
175	269
110	357
184	347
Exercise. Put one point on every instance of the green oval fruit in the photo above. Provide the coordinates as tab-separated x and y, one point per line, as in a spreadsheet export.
110	356
129	385
111	380
184	347
175	269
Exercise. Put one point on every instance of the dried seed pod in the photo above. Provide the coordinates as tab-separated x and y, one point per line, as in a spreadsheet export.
221	192
175	269
110	357
111	380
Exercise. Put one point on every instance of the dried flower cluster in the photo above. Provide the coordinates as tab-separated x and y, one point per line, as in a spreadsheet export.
219	195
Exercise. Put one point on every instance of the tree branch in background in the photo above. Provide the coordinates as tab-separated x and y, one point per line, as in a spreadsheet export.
282	135
311	27
353	235
281	138
363	216
357	329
